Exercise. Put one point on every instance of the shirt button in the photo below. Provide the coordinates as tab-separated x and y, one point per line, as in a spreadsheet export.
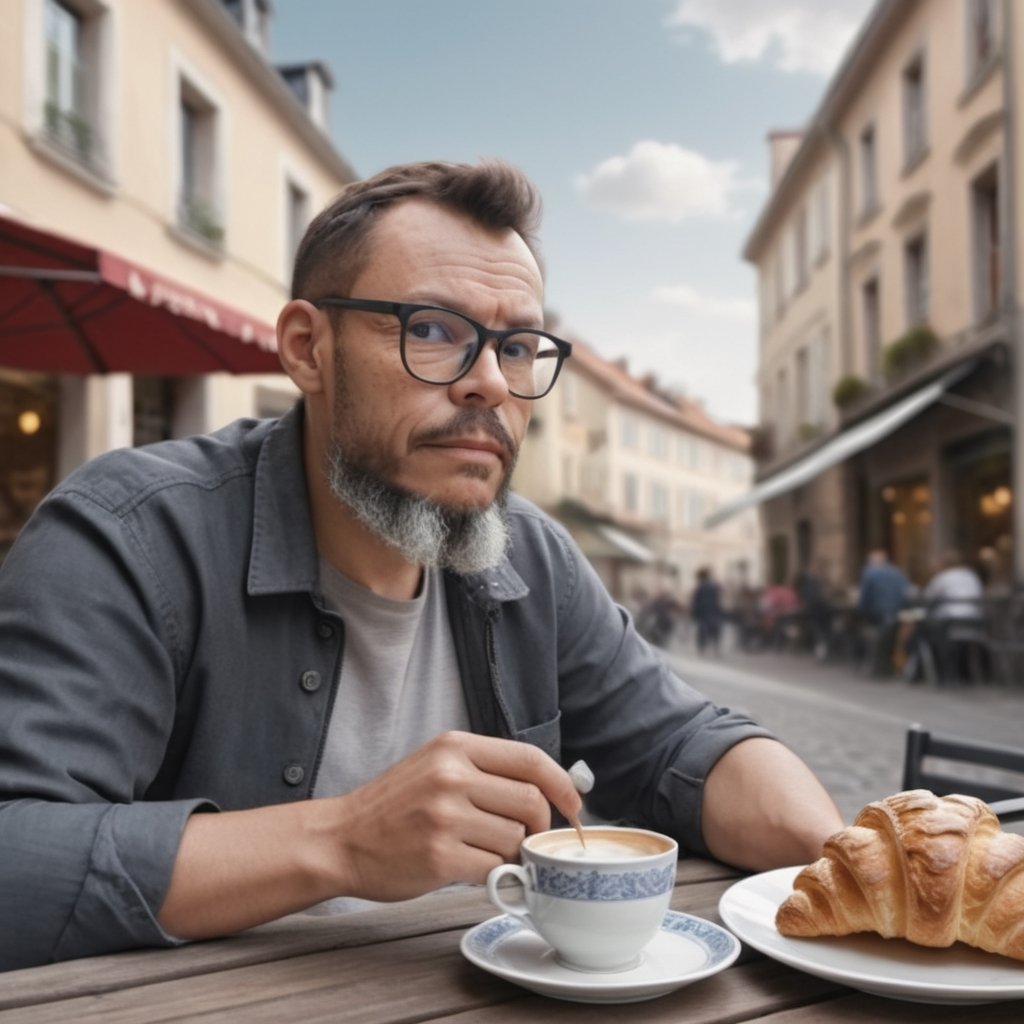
310	681
293	774
324	630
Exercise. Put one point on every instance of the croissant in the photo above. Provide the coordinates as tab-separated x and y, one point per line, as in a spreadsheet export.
929	869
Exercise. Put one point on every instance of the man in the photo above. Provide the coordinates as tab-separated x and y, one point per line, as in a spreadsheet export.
883	590
244	674
954	622
882	593
706	609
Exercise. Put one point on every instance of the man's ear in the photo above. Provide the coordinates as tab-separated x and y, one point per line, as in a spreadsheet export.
304	342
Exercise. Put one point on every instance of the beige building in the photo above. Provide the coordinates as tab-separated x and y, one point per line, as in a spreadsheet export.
889	291
633	473
151	149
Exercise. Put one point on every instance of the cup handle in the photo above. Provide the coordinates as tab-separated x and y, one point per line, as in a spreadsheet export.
517	910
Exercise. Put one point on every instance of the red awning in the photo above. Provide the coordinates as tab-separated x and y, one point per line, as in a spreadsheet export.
66	307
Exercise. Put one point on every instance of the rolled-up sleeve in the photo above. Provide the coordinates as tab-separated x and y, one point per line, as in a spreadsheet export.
87	683
650	738
83	879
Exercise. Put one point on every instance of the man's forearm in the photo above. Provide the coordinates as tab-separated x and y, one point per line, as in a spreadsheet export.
238	869
763	808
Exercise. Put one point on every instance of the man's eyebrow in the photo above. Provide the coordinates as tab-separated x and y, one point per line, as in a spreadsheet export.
530	322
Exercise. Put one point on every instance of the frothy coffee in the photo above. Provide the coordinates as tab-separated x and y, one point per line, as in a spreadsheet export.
602	844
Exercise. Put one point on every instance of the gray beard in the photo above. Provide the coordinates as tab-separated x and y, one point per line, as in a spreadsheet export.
423	532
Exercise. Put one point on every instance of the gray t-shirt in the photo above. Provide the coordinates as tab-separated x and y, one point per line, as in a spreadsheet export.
399	686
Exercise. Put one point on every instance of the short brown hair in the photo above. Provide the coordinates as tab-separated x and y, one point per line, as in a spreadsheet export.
334	249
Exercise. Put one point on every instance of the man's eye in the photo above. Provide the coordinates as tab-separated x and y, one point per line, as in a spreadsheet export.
520	348
431	330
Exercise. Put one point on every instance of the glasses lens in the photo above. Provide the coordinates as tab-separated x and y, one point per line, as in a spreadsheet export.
529	362
438	344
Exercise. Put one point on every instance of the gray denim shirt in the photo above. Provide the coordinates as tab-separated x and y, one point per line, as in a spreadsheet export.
164	650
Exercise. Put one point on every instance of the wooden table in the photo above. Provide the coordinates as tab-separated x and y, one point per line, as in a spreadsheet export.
403	963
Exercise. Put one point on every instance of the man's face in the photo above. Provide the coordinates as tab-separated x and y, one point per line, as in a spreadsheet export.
453	444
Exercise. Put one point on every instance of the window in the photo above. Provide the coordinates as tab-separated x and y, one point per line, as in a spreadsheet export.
800	243
871	311
779	283
803	388
152	409
819	222
915	141
791	276
765	299
782	404
987	243
199	212
629	431
868	172
72	83
981	36
695	510
659	502
297	216
696	454
569	475
657	442
567	387
915	262
630	492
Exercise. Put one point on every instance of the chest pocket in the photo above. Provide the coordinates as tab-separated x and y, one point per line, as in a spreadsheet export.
547	736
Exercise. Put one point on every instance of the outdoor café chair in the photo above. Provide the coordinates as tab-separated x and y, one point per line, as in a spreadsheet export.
1000	783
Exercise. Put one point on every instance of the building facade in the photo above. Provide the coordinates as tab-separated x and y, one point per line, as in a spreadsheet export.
633	473
889	285
156	133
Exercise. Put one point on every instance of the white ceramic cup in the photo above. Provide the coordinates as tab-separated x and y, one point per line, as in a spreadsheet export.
597	908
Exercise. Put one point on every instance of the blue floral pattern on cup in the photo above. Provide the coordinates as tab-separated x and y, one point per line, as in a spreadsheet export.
596	885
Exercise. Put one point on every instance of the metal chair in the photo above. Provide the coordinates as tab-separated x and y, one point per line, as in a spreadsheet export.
1004	797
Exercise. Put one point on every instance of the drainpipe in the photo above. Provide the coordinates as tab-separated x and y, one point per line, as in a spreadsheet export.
1011	309
844	200
844	332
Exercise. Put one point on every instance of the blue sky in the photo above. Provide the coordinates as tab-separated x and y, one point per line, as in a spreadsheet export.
643	122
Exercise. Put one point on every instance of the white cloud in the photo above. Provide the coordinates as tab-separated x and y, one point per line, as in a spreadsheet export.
795	35
709	307
657	181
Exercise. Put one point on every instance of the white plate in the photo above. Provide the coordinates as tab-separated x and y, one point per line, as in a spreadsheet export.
884	967
685	950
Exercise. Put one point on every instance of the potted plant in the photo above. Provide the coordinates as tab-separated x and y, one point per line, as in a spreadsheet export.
848	389
910	350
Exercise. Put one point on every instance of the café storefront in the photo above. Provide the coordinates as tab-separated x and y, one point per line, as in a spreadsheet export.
930	472
28	448
71	312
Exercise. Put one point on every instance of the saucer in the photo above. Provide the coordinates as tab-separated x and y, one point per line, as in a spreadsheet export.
685	950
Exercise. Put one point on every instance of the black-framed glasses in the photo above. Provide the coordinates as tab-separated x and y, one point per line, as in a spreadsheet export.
439	346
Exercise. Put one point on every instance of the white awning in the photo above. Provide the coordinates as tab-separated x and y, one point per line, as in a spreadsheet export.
629	547
843	446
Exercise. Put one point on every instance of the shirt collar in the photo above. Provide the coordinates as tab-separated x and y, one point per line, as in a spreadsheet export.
284	557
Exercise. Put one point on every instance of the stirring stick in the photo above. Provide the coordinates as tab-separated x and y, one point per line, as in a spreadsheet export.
583	779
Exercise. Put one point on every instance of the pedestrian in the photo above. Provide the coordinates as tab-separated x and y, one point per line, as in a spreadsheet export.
815	610
883	592
953	601
331	655
706	611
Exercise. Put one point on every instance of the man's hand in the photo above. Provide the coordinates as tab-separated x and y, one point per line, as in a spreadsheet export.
450	812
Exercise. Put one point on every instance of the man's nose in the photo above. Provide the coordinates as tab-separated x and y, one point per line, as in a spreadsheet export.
485	383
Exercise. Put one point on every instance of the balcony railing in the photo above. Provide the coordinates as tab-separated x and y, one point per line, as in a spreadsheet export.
201	218
73	134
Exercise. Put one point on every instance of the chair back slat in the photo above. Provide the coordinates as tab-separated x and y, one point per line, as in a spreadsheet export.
921	744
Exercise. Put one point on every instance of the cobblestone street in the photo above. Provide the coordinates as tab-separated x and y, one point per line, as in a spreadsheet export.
850	729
